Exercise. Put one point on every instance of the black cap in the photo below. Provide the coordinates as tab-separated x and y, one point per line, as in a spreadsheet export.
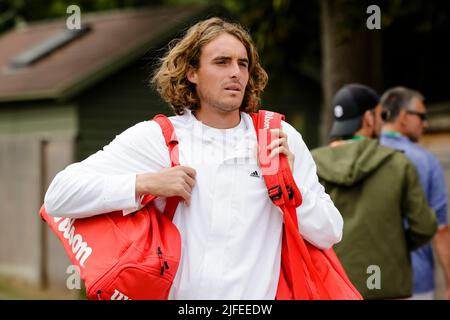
349	105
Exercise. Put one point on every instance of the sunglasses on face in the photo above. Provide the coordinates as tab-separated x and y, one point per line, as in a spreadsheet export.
421	115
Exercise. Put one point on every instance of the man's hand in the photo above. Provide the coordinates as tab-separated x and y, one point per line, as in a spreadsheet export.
169	182
441	243
447	294
280	145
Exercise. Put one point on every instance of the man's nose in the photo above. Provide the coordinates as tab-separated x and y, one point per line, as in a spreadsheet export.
235	70
425	124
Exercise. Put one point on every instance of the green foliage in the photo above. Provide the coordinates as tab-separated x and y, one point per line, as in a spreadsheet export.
427	15
9	13
13	12
286	33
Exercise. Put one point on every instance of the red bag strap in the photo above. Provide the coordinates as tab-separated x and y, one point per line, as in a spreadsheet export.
263	122
171	140
297	268
170	137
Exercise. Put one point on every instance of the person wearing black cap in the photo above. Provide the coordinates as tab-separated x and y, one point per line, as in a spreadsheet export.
374	188
356	113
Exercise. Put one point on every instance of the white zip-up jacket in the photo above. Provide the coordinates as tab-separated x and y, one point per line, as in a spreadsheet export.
231	231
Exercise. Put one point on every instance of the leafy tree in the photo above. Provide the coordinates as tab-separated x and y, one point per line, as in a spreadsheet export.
322	43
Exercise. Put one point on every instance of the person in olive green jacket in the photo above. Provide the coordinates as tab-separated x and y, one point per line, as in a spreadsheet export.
378	193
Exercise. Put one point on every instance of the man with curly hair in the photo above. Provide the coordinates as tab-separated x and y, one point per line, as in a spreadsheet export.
231	231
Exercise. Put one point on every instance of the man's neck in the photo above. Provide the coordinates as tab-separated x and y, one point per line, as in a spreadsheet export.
363	132
218	119
392	127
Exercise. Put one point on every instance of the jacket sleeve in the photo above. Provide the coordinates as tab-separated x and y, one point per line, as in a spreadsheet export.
421	220
438	193
320	222
106	180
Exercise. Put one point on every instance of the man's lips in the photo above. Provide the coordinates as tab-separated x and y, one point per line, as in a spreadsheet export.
233	87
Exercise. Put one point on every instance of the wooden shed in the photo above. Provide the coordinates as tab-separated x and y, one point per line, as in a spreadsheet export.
437	135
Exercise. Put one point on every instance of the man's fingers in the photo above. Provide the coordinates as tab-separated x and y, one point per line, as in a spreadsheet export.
290	156
277	142
187	187
278	132
189	178
279	150
281	139
182	182
190	171
190	181
275	152
186	196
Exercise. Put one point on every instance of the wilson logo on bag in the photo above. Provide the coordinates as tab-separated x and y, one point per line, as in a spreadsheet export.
125	257
80	249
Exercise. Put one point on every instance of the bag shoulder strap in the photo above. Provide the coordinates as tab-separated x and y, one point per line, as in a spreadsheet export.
171	141
276	172
170	137
284	194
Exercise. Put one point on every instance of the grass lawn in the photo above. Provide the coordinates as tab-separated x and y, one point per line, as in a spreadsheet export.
14	289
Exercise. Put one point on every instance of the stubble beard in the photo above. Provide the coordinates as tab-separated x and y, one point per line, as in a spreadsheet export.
222	107
415	138
225	108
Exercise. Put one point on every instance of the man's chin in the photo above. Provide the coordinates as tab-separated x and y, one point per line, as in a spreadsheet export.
414	139
229	107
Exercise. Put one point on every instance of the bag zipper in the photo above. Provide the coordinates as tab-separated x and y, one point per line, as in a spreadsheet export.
163	263
154	271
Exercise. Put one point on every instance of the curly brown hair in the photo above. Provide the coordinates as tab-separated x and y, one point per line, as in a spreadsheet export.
171	80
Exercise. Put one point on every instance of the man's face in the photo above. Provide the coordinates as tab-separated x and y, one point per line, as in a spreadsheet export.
413	124
223	75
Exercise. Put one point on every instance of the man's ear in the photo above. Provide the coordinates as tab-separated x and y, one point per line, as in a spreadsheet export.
368	120
192	75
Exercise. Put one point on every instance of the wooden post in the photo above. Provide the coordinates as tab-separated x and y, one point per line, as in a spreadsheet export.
350	53
43	267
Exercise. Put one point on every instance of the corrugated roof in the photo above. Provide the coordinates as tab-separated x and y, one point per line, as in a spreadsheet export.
115	40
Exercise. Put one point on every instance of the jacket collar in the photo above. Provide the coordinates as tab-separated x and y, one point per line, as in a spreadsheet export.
241	139
243	130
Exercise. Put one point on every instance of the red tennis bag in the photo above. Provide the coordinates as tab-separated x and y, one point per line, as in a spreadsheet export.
307	272
125	257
